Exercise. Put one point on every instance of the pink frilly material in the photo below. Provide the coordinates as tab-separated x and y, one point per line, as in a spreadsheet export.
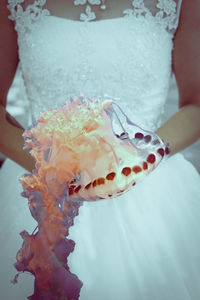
80	155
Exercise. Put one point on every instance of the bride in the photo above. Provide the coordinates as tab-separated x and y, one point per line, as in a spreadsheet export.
145	244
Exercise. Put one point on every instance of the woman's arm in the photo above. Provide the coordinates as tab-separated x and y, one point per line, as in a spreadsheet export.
183	128
11	140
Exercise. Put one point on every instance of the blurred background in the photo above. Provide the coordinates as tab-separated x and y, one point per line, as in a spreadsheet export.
18	107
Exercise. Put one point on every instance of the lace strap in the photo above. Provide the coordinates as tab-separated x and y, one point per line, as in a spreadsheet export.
170	12
178	11
24	14
165	12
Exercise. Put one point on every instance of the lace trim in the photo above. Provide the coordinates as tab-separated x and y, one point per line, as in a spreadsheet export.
24	18
166	16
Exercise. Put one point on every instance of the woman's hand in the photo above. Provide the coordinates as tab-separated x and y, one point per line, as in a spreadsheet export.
182	129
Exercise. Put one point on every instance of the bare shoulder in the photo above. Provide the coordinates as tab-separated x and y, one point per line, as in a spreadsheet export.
7	31
186	54
8	51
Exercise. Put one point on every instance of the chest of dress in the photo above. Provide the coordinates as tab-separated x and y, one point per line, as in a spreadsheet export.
122	50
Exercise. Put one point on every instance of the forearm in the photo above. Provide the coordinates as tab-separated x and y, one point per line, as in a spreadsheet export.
12	142
182	129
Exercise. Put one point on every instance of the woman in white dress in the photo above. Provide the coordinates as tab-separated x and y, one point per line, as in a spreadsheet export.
145	244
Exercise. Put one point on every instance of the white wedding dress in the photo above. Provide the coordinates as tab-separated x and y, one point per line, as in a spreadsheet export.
145	244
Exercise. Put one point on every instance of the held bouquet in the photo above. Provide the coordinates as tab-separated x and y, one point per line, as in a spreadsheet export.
80	156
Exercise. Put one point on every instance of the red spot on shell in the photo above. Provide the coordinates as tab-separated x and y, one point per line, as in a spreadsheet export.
139	135
161	151
111	176
109	195
147	138
145	165
134	183
101	181
151	158
167	150
73	180
94	183
77	189
88	186
156	141
126	171
137	169
71	191
123	133
72	186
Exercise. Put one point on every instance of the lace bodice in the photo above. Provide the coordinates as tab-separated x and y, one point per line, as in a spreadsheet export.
123	53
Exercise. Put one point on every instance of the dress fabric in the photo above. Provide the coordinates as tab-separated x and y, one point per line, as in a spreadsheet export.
144	244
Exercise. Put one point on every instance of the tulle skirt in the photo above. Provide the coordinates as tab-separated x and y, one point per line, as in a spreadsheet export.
142	245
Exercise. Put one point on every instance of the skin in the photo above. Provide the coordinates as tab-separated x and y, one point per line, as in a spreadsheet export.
181	130
67	9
